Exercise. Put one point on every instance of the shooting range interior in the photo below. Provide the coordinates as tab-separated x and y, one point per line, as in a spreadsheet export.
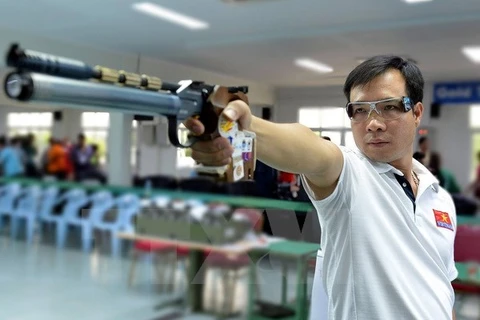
106	212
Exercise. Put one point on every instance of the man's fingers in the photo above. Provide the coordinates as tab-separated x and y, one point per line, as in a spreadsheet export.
194	126
211	146
218	158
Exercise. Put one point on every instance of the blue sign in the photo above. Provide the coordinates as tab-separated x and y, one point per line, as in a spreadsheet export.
456	92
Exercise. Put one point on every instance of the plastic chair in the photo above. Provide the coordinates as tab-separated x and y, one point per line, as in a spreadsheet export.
75	199
101	201
8	197
27	210
126	207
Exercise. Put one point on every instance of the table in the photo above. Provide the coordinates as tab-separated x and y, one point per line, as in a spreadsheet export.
194	302
289	250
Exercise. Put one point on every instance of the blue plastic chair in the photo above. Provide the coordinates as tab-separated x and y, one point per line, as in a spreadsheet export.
9	194
75	199
127	206
102	201
26	210
50	198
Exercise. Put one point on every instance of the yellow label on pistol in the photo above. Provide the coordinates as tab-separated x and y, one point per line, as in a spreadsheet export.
227	128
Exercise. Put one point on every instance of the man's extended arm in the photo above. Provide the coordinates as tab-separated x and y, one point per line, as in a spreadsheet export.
288	147
292	147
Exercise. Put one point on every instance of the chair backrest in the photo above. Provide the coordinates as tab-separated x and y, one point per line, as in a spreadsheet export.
9	193
75	199
102	201
49	199
466	244
127	205
29	201
255	217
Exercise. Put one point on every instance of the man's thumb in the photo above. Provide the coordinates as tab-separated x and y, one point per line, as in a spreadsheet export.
231	113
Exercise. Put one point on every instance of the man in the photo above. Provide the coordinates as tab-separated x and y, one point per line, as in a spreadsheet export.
81	155
424	148
10	162
388	228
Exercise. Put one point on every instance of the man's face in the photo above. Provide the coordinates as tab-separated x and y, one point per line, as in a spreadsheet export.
380	140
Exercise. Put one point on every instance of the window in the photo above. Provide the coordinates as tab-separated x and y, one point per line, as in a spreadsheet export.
328	121
37	123
475	127
95	127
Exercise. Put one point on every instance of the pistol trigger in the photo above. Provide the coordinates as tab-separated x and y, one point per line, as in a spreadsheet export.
173	124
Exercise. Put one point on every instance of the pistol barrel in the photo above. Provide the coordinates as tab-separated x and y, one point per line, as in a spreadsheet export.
35	87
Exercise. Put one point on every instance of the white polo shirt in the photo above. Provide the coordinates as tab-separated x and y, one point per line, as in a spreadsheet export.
385	256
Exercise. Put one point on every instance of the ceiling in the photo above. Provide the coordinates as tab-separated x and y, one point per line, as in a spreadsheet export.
259	39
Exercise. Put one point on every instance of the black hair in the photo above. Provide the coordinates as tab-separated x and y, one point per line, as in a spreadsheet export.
3	141
378	65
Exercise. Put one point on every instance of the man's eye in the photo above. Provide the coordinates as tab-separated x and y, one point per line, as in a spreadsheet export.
359	110
391	107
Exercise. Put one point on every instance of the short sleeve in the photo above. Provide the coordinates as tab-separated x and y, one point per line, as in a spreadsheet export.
344	191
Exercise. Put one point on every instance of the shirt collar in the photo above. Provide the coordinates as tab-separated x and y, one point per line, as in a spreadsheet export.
426	177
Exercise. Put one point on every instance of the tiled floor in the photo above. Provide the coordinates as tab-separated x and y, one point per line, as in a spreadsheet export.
39	282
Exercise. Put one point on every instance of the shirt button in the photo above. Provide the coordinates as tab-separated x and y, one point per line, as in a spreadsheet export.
404	185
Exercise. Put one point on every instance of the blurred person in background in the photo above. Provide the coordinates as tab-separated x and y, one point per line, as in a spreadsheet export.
445	177
57	160
81	155
424	148
31	152
10	160
474	186
95	158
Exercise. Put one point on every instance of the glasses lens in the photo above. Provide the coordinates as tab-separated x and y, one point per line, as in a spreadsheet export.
389	109
358	112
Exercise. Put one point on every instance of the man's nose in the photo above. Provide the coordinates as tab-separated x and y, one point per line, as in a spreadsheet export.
374	122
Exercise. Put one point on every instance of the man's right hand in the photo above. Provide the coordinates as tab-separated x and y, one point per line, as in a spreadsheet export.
218	152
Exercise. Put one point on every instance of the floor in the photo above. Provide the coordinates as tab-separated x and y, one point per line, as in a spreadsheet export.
39	282
69	284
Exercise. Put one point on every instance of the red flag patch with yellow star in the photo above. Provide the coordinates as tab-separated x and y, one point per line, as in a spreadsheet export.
443	219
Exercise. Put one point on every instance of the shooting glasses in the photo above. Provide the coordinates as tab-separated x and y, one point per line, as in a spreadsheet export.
388	109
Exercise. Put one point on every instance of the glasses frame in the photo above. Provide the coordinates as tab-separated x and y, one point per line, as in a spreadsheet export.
406	103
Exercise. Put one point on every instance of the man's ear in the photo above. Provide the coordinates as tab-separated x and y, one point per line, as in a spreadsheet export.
418	113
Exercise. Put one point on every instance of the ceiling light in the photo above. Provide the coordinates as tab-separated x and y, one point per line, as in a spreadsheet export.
472	53
416	1
313	65
169	15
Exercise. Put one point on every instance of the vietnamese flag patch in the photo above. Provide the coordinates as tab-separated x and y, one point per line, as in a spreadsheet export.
443	219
